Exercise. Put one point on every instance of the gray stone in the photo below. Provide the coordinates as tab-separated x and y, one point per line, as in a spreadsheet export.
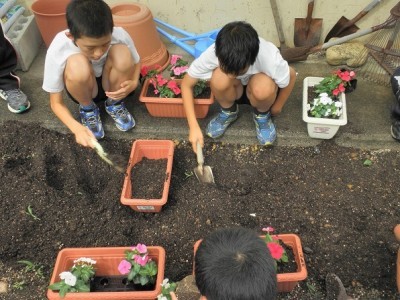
3	287
353	54
186	289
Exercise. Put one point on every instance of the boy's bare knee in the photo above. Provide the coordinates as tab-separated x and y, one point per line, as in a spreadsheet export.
77	68
120	57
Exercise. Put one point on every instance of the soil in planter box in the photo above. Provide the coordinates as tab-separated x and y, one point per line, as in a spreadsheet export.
148	177
117	284
204	95
291	265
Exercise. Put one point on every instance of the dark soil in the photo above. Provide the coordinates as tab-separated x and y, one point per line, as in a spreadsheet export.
343	210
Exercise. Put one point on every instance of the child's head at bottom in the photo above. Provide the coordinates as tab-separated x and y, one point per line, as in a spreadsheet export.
235	264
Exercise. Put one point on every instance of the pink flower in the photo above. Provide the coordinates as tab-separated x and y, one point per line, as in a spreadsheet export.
276	250
144	70
161	80
174	87
268	229
141	260
141	248
180	70
344	75
124	267
352	74
175	58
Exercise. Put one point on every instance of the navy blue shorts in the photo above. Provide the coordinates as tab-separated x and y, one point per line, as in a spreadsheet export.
101	94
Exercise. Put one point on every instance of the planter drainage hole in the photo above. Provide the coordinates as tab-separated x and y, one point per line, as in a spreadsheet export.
104	282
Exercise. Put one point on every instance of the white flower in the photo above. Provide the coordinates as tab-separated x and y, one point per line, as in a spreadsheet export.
69	278
161	297
85	260
165	283
338	104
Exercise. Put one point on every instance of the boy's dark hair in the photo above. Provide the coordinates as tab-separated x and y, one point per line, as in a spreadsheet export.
395	83
236	47
91	18
235	264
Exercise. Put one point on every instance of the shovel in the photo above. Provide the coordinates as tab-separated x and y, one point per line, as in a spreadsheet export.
301	53
104	156
307	32
278	24
203	173
345	26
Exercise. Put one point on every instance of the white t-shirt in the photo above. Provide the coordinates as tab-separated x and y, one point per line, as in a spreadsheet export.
62	47
269	61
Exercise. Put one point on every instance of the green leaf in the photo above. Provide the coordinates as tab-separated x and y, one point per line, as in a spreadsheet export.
367	163
143	280
56	286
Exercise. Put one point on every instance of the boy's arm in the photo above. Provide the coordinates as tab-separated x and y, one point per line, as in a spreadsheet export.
195	134
284	94
82	134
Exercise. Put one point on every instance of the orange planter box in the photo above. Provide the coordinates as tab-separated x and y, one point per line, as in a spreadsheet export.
151	149
173	107
286	281
107	261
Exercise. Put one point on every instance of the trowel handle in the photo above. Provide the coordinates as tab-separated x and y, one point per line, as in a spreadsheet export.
200	157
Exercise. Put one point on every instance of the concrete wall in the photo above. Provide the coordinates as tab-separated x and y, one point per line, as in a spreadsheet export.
203	15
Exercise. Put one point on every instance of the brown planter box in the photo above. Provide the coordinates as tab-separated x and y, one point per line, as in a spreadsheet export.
151	149
107	261
286	281
173	107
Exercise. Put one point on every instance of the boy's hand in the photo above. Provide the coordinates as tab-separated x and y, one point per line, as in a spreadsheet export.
195	135
84	137
126	88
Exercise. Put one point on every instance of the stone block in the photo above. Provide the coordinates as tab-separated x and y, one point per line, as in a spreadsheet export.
26	39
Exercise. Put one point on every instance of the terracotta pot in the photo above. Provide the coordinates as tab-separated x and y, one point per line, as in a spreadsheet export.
108	259
138	21
321	128
286	281
151	149
397	235
173	107
50	17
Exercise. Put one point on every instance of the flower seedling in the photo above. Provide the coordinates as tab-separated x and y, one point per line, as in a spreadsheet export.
77	279
335	84
325	107
166	288
32	267
274	245
139	267
29	212
178	67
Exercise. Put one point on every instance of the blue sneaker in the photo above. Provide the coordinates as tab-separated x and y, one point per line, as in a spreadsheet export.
266	133
123	119
220	123
91	119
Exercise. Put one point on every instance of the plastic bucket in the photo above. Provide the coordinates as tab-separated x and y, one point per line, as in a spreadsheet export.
50	17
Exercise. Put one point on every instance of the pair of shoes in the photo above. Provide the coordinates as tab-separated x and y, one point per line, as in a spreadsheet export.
395	130
265	128
220	123
121	116
17	100
335	289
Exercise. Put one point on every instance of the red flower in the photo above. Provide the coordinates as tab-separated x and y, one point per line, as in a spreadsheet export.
144	70
161	80
276	250
174	87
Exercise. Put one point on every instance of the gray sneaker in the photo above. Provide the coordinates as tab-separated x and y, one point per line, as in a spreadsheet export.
17	101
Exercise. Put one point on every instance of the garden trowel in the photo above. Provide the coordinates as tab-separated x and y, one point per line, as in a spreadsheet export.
203	173
105	156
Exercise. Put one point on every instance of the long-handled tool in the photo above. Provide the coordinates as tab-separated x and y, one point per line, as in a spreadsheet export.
307	32
301	53
104	156
278	24
202	172
345	26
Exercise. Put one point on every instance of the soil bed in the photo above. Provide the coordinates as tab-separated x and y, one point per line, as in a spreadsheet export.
343	210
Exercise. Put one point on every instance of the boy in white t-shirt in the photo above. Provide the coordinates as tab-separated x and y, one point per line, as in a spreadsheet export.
242	68
93	61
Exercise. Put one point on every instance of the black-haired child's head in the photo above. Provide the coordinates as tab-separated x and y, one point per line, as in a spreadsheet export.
235	264
236	47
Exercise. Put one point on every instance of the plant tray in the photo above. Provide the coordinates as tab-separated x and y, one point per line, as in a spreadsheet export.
107	261
151	149
173	107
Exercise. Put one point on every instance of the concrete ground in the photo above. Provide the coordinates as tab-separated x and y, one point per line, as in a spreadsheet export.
368	113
